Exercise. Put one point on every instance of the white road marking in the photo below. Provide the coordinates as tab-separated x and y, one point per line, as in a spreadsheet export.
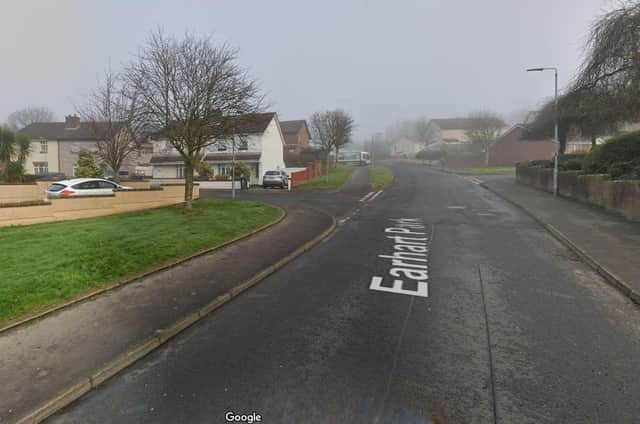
366	196
456	207
409	259
422	291
374	196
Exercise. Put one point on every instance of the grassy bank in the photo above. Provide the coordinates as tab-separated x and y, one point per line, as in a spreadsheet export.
380	176
47	263
337	177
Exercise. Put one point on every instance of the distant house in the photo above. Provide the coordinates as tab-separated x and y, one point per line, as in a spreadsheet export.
259	143
405	148
56	145
448	131
296	135
513	147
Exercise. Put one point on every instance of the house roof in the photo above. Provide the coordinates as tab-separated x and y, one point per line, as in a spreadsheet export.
293	127
209	157
253	123
59	131
453	123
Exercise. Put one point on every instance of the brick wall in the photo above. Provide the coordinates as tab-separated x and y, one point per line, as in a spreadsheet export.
618	196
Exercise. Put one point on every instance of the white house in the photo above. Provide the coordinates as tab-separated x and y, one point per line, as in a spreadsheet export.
406	148
259	143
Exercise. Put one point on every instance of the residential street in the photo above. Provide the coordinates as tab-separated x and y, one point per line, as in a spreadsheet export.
515	329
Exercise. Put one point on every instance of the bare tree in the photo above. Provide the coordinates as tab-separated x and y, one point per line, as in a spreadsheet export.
113	115
343	128
484	128
332	129
23	117
192	91
422	130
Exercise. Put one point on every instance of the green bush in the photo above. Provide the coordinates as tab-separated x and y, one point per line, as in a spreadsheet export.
618	157
205	171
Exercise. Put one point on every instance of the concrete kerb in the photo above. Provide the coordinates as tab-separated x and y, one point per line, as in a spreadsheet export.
161	336
132	278
608	276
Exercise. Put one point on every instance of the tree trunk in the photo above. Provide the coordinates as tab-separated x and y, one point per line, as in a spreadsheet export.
593	141
326	171
486	154
337	153
188	186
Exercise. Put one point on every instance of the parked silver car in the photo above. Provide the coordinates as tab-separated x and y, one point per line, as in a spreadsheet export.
83	187
275	179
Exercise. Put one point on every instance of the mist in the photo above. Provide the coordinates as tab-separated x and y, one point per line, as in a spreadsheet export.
381	61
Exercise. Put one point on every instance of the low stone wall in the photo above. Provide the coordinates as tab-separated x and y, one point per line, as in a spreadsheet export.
15	193
618	196
88	207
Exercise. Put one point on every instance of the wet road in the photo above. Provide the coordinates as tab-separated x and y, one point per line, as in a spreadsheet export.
514	328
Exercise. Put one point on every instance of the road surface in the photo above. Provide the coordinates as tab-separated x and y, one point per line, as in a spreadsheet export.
513	328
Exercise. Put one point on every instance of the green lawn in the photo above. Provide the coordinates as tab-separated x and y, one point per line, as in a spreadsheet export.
380	176
492	170
47	263
337	177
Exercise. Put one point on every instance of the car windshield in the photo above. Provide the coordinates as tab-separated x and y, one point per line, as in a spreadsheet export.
273	173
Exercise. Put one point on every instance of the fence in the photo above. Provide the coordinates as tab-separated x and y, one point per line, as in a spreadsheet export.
313	170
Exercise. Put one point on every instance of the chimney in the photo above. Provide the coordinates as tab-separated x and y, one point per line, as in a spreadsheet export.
71	122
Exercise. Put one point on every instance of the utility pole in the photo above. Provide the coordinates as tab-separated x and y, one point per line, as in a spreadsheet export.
555	124
233	167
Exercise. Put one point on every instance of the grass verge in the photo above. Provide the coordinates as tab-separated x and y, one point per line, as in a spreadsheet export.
47	263
338	175
492	170
380	176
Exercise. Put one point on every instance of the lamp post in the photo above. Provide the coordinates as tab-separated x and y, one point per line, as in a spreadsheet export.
555	124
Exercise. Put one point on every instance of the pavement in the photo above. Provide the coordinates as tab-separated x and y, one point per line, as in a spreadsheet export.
47	356
610	242
514	328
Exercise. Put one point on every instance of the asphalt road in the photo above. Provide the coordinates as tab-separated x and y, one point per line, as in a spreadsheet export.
514	330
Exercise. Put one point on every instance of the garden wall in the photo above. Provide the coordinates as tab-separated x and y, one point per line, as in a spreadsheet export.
618	196
87	207
14	193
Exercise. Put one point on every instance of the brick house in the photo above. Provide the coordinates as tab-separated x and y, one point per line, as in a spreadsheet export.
513	147
56	147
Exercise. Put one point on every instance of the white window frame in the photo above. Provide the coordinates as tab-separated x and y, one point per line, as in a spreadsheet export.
180	171
44	146
41	168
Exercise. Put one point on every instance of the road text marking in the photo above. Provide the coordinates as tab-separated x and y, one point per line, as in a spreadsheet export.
409	258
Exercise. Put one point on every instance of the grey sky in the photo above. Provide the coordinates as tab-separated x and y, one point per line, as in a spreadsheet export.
380	60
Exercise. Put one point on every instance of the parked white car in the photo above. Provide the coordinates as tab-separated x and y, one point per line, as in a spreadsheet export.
83	187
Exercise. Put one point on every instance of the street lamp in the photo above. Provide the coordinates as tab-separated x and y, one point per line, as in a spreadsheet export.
555	124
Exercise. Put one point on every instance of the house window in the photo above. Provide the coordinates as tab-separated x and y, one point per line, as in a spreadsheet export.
44	146
180	171
222	147
40	168
224	170
243	145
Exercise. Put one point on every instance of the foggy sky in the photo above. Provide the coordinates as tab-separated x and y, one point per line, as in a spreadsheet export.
380	60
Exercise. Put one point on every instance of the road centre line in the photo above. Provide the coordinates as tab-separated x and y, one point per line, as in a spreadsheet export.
366	196
375	195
